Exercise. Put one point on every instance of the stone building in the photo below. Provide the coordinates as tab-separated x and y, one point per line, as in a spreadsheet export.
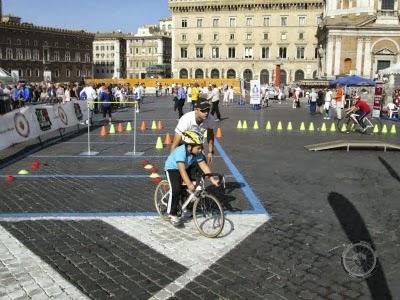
245	39
38	53
149	48
109	55
359	37
166	25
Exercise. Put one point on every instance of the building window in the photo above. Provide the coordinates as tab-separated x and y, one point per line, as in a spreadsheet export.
1	53
388	4
249	21
28	73
199	37
56	73
20	73
265	36
265	52
112	48
28	54
78	73
232	22
199	23
282	52
27	43
284	21
87	57
67	56
55	44
300	52
248	52
136	50
20	55
232	36
56	56
199	52
184	52
18	42
37	73
215	22
9	53
301	36
283	36
8	41
215	36
77	56
315	53
215	52
184	23
267	21
183	37
248	36
102	48
66	45
302	21
36	55
97	48
231	52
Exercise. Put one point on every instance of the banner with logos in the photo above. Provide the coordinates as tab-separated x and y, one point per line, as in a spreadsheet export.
255	92
30	122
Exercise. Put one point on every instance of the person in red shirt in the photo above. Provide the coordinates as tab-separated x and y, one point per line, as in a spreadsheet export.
359	110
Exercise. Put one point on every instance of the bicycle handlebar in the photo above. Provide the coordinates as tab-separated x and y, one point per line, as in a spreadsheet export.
221	177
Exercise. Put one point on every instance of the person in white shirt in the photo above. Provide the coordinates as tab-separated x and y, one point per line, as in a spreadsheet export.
327	105
313	101
198	120
91	96
231	94
214	97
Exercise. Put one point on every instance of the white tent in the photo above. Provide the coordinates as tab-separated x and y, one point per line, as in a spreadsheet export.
393	70
5	77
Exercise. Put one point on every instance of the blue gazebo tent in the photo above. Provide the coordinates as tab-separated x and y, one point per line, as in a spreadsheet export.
353	80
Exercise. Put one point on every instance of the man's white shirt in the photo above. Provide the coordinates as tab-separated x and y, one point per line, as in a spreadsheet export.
188	122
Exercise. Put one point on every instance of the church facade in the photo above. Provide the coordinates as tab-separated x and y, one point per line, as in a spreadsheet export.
358	37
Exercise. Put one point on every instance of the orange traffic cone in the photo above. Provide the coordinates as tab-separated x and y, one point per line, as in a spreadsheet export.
120	128
168	140
143	126
219	133
160	125
103	131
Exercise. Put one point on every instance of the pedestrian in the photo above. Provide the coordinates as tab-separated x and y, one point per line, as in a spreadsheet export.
180	100
105	98
231	94
313	96
339	97
327	105
214	98
195	93
320	101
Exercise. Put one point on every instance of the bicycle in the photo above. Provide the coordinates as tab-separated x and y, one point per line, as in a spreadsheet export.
208	214
348	124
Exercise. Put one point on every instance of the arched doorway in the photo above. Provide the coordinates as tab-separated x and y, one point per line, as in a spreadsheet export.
298	75
264	77
347	66
231	74
283	77
214	74
199	73
247	76
183	73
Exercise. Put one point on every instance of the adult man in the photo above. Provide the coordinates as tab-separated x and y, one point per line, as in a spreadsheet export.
361	109
339	101
197	120
214	97
91	96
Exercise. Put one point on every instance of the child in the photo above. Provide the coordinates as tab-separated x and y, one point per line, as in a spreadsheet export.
176	169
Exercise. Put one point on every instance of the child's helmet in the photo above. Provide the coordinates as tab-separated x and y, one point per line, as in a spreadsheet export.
192	137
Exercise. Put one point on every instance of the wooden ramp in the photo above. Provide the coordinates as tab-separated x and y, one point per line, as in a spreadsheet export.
367	144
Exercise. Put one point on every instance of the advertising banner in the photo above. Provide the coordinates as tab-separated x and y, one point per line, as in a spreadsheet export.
377	107
255	92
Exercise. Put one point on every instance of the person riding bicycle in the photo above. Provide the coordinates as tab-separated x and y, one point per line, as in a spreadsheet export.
361	109
177	168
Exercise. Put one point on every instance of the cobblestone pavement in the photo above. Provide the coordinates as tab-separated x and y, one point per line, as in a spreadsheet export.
85	227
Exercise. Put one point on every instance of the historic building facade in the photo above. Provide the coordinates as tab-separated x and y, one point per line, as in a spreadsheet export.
359	37
39	53
245	39
149	48
109	55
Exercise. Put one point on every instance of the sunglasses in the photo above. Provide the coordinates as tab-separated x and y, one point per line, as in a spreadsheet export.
207	110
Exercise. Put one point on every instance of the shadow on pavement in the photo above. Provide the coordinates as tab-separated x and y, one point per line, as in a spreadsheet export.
391	171
224	195
356	231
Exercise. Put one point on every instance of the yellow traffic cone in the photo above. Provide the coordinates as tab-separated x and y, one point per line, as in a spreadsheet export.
112	129
344	127
268	127
159	144
333	127
279	127
128	127
23	172
255	126
384	129
323	127
153	125
376	129
289	126
244	124
239	125
393	129
311	127
302	127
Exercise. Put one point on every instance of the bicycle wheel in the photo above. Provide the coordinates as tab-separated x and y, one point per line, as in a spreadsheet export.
345	124
359	259
161	196
208	215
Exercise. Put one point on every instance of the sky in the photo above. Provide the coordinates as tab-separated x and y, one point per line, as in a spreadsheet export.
89	15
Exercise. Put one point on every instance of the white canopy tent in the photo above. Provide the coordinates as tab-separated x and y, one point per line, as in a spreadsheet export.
5	77
392	70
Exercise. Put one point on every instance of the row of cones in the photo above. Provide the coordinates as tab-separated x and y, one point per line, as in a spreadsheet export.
154	177
35	165
120	129
154	125
311	127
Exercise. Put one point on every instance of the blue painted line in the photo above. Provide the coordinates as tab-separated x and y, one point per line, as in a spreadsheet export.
253	199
